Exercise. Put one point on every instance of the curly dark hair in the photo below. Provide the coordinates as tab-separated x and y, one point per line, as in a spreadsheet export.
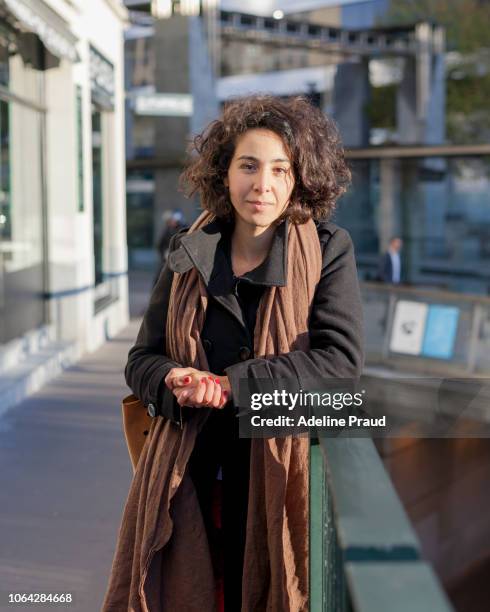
311	139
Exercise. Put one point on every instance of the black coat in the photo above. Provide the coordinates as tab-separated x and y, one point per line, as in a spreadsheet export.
335	328
385	268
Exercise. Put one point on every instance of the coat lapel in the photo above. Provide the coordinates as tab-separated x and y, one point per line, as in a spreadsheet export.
207	249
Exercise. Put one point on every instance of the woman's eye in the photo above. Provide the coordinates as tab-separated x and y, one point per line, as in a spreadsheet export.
281	170
247	166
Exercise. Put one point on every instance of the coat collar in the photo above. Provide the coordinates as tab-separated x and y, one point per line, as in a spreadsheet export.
208	250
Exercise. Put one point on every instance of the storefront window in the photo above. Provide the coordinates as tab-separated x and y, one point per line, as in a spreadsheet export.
22	252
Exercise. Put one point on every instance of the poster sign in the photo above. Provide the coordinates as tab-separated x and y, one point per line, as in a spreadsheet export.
440	331
407	333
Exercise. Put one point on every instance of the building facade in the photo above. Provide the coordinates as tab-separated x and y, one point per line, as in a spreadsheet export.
63	259
385	86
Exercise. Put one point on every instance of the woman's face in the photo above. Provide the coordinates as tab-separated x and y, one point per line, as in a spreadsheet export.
260	179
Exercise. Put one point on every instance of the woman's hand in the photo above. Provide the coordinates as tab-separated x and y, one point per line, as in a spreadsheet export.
206	394
198	388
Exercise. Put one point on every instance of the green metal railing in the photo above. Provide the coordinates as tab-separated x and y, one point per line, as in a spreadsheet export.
364	554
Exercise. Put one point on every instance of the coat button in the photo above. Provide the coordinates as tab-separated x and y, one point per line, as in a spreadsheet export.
151	409
244	353
207	344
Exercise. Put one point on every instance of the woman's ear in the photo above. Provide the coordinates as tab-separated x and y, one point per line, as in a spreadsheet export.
226	182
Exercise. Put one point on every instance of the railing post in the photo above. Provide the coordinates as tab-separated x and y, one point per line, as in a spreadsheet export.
317	540
328	590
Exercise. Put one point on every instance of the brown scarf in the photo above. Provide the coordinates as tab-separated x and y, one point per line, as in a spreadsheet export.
162	561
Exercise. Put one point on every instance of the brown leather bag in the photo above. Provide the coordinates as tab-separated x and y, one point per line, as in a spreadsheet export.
136	424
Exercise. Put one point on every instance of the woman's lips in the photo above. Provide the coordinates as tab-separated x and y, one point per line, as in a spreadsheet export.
258	204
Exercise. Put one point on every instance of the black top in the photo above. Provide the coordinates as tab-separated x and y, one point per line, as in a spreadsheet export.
248	294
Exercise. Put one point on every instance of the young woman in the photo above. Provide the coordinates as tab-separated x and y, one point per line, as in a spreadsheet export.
262	287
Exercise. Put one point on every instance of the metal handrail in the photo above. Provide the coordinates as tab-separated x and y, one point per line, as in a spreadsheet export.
441	295
364	554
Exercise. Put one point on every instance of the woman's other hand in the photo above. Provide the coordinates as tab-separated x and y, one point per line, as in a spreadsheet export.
198	388
180	377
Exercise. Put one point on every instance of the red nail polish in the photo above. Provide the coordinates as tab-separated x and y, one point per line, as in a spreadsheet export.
187	379
216	380
225	394
210	378
203	379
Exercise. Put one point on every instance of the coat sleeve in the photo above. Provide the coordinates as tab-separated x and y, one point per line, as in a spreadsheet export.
147	363
335	328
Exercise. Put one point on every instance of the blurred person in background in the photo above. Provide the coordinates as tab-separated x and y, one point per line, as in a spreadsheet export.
262	286
390	266
173	221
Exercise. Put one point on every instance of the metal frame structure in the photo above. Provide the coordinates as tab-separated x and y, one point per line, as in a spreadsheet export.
393	41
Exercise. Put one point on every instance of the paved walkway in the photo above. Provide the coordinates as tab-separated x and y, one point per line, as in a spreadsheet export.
64	477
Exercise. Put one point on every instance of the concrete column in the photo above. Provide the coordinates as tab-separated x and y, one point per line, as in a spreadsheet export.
436	107
351	94
421	94
408	128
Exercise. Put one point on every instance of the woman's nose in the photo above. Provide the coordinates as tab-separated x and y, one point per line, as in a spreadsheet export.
262	181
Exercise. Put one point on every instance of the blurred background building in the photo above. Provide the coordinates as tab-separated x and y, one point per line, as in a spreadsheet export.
62	180
406	98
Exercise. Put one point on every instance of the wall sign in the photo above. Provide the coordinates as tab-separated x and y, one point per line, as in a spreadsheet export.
407	333
440	331
164	105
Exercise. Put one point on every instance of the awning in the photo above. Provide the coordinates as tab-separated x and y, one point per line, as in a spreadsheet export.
35	16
